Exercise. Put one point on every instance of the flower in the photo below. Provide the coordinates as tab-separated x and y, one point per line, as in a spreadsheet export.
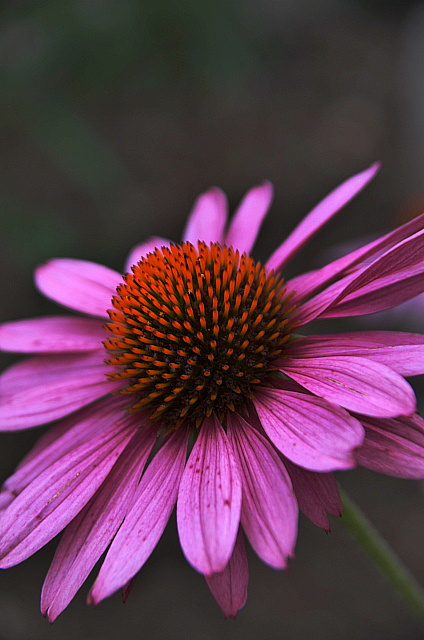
197	351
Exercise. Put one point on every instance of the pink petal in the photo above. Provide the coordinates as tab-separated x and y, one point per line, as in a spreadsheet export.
209	500
307	284
60	333
393	446
392	278
247	220
207	218
269	509
45	388
381	294
89	534
229	588
319	216
316	493
62	439
53	499
151	507
309	431
355	383
78	284
402	352
141	250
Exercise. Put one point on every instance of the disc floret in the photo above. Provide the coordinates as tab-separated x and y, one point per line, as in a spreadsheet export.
194	330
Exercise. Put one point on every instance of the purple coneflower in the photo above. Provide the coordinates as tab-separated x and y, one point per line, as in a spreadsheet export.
192	384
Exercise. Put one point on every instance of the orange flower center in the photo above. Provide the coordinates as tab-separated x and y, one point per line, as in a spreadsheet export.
194	330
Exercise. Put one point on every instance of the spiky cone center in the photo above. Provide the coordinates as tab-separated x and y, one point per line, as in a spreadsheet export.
194	330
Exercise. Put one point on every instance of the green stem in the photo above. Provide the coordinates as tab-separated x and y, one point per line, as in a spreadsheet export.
382	554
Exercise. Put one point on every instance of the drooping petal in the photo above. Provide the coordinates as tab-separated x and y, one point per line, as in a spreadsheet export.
84	286
229	588
63	439
321	214
45	388
152	505
56	333
357	384
141	250
393	446
89	534
269	508
209	500
245	225
316	494
53	499
402	352
207	218
309	431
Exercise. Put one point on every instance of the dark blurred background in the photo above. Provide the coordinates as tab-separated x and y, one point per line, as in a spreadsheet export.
114	115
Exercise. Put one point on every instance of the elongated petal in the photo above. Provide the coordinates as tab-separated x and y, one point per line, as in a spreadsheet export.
152	505
316	493
229	588
249	216
45	388
392	278
53	499
381	294
407	254
302	287
209	500
393	446
89	534
358	384
402	352
60	333
78	284
309	431
269	509
207	218
62	439
321	214
141	250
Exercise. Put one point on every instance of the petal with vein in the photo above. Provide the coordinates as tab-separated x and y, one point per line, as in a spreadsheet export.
63	438
316	494
56	333
209	500
402	352
207	218
319	216
89	534
310	283
45	388
249	216
381	294
269	508
229	588
357	384
53	499
393	446
84	286
309	431
392	278
152	505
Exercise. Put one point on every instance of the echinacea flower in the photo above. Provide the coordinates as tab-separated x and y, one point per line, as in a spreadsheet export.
189	382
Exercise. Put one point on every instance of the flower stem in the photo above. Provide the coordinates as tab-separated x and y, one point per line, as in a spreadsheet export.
382	554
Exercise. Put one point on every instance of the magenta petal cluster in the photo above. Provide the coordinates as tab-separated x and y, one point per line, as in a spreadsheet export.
236	460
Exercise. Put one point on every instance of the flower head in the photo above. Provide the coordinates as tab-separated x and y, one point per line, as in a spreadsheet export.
189	381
